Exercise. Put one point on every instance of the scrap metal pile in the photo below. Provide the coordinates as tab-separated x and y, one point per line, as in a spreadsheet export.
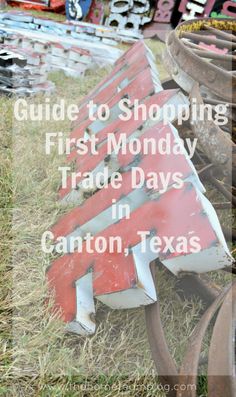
73	61
125	279
23	72
71	48
89	36
133	18
130	14
147	17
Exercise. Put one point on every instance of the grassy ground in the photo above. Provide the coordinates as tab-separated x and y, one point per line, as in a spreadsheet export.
37	357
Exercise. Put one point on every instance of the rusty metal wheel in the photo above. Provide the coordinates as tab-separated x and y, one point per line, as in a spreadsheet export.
166	367
187	61
221	364
209	77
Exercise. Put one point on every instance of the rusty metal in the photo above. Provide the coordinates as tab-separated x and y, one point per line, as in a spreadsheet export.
196	25
221	366
231	269
220	187
220	374
189	369
225	325
218	32
222	206
215	142
201	286
166	367
207	82
212	55
230	234
208	40
212	101
187	67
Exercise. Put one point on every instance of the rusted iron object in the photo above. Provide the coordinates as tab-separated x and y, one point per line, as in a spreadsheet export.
225	35
166	367
206	53
209	40
208	173
219	185
221	349
200	286
220	375
187	286
186	66
189	49
189	368
221	366
222	206
217	146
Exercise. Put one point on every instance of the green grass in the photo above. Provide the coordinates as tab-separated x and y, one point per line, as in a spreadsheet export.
37	358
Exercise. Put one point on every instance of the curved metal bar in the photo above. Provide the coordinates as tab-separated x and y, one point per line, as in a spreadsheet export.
166	368
190	285
221	366
217	146
189	369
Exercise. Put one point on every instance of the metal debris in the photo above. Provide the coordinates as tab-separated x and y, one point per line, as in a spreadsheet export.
222	360
23	72
129	15
73	61
187	60
85	35
186	67
166	367
212	138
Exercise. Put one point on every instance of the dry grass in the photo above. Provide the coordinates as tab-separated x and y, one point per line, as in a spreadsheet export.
37	357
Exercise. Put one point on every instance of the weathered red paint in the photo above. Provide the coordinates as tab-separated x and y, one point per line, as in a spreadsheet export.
115	272
135	55
153	162
105	94
87	163
159	98
155	212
